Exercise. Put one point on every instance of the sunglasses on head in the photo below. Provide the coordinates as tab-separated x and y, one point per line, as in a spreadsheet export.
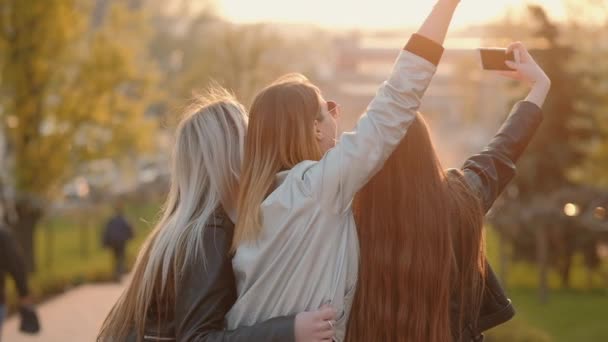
332	106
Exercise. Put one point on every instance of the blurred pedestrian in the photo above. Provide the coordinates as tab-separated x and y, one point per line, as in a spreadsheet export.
12	263
117	233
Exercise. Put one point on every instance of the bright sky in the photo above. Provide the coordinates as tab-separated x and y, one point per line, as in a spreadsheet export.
369	13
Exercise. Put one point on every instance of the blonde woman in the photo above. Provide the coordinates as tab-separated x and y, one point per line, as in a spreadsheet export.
183	283
295	240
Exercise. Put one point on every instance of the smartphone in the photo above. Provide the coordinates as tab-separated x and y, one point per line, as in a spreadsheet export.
495	58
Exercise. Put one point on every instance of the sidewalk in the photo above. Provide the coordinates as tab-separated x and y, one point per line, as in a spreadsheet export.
73	316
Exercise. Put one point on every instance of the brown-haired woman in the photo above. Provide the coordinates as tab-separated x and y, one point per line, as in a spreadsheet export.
295	239
421	229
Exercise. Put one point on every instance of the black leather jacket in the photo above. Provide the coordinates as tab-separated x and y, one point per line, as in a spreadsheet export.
205	294
488	173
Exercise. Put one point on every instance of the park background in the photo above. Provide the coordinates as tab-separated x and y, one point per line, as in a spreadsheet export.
91	90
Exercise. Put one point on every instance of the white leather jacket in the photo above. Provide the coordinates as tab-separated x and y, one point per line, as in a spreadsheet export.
307	254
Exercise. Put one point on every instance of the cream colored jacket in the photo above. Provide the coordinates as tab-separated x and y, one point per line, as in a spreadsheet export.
308	252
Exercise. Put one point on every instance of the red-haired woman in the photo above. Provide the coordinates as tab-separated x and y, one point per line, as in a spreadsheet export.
422	271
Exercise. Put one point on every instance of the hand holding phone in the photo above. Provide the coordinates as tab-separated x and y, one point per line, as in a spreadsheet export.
526	70
496	59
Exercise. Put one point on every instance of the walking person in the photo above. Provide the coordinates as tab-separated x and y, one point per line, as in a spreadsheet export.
117	233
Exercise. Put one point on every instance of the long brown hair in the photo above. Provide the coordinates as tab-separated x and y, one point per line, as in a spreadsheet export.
280	135
421	240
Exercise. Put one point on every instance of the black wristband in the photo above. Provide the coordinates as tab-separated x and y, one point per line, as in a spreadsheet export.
425	48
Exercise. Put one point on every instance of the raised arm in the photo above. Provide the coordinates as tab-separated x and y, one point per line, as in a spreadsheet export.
361	153
436	25
489	171
492	169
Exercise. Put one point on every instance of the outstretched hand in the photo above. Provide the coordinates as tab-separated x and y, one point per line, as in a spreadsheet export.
527	70
525	67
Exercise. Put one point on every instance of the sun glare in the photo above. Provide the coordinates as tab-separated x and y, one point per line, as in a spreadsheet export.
369	14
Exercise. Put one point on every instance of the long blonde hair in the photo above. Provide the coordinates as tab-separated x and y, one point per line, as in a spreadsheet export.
205	171
280	135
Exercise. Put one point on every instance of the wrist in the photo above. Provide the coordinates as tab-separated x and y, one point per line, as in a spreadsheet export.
452	3
297	322
538	94
542	84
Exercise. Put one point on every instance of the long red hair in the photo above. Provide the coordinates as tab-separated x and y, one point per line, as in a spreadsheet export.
421	238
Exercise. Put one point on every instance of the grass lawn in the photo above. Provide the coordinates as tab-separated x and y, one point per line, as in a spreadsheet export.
568	316
579	314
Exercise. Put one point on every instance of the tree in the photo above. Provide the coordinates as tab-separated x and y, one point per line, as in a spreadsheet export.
549	172
69	93
591	62
242	58
194	47
556	149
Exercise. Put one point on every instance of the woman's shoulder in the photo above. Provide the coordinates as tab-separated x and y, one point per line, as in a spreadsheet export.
462	187
297	177
218	232
460	177
456	176
302	168
220	219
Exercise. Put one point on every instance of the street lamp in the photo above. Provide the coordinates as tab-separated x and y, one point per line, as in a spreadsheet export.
599	213
572	210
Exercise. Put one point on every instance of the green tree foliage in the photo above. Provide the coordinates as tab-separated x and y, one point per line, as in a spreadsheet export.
195	47
556	149
534	214
591	62
69	92
563	154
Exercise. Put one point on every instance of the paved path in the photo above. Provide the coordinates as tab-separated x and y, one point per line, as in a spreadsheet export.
71	317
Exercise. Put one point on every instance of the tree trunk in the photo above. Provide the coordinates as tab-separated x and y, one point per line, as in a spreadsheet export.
589	277
564	271
28	216
49	249
504	258
542	258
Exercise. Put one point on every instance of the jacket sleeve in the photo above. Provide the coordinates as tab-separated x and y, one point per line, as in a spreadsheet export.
207	291
15	265
489	172
360	154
